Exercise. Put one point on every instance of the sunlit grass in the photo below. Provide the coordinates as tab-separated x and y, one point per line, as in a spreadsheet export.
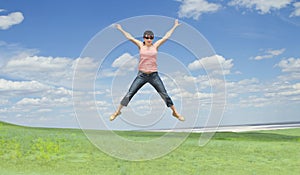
26	150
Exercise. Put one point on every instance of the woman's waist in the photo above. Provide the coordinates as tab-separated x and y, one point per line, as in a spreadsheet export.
148	68
147	72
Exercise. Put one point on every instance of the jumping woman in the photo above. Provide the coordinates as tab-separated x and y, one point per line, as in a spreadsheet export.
147	69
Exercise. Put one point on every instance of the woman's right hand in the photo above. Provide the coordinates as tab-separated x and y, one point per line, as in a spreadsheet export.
118	26
176	23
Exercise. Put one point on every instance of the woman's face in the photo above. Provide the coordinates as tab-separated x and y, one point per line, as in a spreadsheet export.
148	40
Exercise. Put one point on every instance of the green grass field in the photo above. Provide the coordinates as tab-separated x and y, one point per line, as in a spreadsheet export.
40	151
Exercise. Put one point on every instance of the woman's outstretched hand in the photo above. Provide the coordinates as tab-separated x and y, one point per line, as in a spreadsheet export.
176	23
118	26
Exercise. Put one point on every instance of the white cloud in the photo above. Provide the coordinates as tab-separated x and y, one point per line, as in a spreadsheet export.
217	64
248	81
254	93
276	52
34	87
59	92
3	102
291	68
195	8
21	63
11	89
38	86
57	71
31	98
125	62
255	101
290	65
239	92
11	19
253	85
270	53
262	6
44	101
41	106
9	51
21	87
32	101
283	92
38	64
296	12
182	93
50	70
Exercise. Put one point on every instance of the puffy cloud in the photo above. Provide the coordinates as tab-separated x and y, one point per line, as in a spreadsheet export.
39	86
6	21
255	101
57	71
269	54
12	88
216	64
22	100
44	101
9	51
262	7
291	69
254	93
125	62
195	8
290	65
283	92
296	12
32	101
38	64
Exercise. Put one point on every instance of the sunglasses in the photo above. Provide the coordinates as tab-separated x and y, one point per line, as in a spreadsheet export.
149	37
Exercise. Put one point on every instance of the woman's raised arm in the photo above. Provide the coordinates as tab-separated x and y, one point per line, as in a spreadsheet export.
129	36
167	35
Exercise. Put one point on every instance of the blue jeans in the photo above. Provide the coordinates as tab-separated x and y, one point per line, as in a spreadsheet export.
141	80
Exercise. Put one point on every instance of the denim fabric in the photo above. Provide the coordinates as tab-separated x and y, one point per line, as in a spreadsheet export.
141	80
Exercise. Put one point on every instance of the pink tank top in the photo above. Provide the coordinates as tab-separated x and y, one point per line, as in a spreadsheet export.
148	57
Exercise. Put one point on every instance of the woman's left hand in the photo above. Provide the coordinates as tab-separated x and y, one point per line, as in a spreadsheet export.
176	23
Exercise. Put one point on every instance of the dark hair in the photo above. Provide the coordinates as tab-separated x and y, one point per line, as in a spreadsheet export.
148	32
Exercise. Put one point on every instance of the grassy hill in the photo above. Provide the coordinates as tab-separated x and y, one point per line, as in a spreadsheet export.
25	150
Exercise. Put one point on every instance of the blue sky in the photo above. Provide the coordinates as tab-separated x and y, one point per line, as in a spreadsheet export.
256	42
